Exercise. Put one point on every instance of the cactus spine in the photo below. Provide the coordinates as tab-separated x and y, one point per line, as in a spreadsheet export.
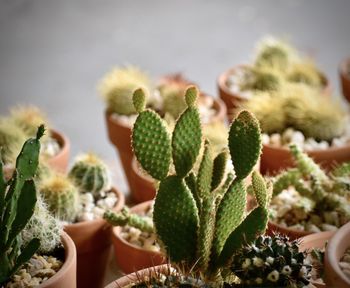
61	197
17	203
90	174
196	216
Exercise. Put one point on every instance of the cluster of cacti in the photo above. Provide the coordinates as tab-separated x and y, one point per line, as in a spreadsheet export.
90	174
18	199
305	72
117	88
271	262
200	219
61	197
301	108
328	192
124	217
260	79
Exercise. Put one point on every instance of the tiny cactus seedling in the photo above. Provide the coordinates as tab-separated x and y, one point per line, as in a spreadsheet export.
118	86
18	198
200	218
271	262
91	174
61	197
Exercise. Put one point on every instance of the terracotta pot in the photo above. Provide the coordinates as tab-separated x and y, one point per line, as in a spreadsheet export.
60	161
314	241
234	100
275	159
293	234
134	277
66	276
336	248
131	258
344	73
92	239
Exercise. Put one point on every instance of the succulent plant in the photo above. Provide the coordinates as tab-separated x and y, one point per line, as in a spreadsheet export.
17	203
172	96
200	219
260	79
328	192
29	118
117	88
124	217
90	174
61	197
305	72
271	262
11	140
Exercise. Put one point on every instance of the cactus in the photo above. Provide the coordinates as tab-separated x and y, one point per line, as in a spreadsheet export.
117	88
260	79
271	262
305	72
173	101
17	203
196	215
61	197
29	118
90	174
11	140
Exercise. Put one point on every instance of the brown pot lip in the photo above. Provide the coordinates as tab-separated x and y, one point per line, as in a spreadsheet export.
286	230
117	229
331	258
343	66
69	261
135	168
62	140
324	235
100	221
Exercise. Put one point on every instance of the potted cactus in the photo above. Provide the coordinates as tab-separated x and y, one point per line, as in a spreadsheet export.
200	217
344	73
134	238
308	200
165	97
21	124
298	114
79	200
276	62
33	249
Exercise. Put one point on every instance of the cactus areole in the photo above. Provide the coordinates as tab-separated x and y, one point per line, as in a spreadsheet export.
200	217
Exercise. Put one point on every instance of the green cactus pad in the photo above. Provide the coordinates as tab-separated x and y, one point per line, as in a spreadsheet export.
205	173
151	144
229	215
139	100
186	142
175	213
220	162
253	225
191	96
260	189
244	143
191	182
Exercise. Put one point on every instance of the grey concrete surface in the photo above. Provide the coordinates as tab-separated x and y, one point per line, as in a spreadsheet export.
53	52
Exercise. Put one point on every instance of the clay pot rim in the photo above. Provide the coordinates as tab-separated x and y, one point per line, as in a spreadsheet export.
117	229
62	140
118	206
70	259
343	67
144	176
286	230
331	260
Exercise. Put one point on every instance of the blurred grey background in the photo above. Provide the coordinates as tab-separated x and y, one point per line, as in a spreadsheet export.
53	52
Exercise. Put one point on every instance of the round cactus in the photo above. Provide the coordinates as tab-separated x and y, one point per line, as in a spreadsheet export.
61	197
173	100
90	174
305	72
117	88
261	80
271	262
11	140
44	226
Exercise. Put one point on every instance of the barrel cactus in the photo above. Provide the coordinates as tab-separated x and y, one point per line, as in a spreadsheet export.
200	218
271	262
91	174
61	197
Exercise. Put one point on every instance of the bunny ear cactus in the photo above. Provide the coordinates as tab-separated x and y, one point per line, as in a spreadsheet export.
200	218
17	204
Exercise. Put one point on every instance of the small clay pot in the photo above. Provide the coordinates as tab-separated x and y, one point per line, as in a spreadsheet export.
344	73
60	161
335	250
293	234
234	100
134	277
274	159
316	241
66	276
130	258
92	239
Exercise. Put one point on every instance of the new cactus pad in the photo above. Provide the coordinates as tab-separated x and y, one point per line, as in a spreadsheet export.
197	214
90	174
